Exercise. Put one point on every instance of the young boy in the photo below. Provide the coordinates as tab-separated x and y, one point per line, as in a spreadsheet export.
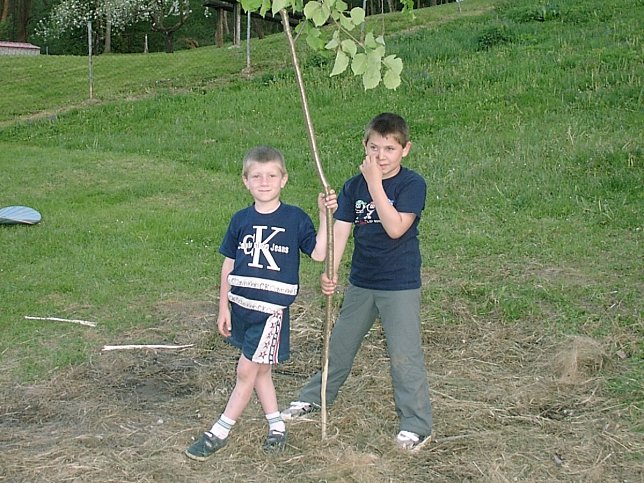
259	281
382	205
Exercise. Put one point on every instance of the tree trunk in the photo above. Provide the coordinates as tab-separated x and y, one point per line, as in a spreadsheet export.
168	41
237	30
5	10
219	34
107	48
24	14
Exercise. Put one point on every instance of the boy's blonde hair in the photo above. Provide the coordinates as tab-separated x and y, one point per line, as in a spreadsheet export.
263	154
388	124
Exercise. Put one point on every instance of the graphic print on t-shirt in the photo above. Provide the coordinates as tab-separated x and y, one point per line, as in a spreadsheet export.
259	248
366	212
256	245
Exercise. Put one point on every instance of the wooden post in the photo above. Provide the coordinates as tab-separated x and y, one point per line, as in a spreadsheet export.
219	35
237	29
248	41
89	57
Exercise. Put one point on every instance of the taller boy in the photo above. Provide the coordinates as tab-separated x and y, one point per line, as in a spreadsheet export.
382	205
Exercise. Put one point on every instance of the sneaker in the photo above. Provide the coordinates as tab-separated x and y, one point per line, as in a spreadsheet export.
408	441
275	441
206	446
297	409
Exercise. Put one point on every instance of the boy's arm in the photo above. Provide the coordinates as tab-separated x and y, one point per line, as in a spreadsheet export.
395	223
341	233
223	319
324	202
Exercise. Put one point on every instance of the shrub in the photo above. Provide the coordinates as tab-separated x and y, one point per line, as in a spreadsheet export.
494	35
529	13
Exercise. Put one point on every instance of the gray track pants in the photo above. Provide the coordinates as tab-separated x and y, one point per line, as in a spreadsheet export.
399	313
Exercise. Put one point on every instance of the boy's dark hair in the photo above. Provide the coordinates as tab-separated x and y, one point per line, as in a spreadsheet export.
388	124
263	154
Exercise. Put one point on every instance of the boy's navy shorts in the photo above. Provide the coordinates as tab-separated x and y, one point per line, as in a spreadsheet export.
266	343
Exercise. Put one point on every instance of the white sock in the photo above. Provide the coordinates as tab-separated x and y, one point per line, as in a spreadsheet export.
275	422
222	427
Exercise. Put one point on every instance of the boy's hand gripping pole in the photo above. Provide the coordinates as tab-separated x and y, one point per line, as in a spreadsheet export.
329	266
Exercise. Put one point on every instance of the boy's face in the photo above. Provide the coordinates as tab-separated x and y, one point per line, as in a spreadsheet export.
265	181
387	152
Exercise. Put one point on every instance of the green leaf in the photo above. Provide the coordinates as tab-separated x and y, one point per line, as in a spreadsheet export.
373	58
313	11
341	63
266	5
349	46
369	41
251	5
301	28
391	79
341	6
359	64
393	63
279	5
357	15
346	23
324	14
334	42
317	12
371	78
313	38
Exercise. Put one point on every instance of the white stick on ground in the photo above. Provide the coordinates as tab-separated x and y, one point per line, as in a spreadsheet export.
56	319
144	346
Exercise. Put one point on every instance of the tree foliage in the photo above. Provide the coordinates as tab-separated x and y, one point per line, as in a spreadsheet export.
365	54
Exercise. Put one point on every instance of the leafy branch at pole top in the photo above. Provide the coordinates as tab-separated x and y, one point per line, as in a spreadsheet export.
367	58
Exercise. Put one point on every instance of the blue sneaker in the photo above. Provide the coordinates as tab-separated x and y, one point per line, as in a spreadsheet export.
275	441
206	446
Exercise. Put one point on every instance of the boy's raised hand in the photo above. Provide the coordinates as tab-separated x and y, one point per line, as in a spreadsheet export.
371	170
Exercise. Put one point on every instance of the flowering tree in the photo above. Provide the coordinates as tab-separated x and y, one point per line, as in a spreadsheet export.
107	15
162	11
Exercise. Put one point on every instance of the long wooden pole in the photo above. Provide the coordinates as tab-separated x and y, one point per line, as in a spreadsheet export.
329	269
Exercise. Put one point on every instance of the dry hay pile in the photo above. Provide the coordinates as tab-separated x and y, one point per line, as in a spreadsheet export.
509	405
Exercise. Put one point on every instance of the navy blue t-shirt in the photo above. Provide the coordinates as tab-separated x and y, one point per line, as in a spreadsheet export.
380	262
266	249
